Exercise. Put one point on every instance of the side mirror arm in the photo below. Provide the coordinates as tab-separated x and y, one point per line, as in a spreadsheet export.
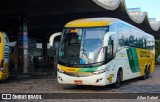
112	43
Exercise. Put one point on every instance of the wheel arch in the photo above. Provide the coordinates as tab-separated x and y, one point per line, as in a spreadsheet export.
119	69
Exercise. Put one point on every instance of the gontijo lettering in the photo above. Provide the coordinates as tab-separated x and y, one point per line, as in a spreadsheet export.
144	54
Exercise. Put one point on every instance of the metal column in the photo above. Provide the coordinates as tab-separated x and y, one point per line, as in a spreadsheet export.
23	46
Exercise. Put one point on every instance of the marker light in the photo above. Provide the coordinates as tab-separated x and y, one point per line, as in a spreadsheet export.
73	30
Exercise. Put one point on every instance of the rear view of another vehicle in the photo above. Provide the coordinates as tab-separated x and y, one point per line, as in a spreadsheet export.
4	56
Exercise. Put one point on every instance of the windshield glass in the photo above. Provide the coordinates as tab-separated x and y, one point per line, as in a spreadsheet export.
92	43
82	46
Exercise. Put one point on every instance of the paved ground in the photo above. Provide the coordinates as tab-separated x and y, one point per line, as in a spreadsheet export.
48	84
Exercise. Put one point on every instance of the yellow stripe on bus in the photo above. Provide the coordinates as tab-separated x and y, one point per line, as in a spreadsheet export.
88	23
68	69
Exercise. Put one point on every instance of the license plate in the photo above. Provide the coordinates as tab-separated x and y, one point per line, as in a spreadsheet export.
78	82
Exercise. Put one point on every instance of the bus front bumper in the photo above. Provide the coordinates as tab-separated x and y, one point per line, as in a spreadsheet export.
3	75
94	80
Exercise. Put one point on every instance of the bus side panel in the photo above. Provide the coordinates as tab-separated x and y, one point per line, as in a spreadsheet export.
133	59
1	46
130	66
141	56
152	66
5	56
127	56
1	54
146	58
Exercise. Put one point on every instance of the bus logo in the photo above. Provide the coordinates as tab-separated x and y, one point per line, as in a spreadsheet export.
6	96
77	75
70	70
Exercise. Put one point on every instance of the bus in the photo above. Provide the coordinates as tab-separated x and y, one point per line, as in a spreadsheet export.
103	51
4	56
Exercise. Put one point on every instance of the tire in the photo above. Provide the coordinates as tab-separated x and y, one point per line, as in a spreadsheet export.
144	77
118	80
148	72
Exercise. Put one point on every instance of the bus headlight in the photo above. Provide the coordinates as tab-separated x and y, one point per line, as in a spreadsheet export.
60	71
100	71
60	78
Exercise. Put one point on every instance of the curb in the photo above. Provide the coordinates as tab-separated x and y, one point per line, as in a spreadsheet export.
32	76
13	77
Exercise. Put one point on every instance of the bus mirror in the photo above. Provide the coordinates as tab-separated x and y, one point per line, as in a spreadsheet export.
112	44
56	45
107	38
52	38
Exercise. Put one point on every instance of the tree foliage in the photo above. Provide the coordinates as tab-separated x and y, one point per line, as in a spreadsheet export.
157	48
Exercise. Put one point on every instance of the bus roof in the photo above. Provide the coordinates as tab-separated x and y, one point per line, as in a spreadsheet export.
91	22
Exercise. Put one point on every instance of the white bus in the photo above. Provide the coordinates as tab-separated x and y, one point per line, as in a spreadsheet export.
103	51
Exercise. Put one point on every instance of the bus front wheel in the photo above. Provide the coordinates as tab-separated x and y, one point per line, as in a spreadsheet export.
118	79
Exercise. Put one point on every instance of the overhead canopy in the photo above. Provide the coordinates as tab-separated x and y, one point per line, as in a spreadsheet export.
45	17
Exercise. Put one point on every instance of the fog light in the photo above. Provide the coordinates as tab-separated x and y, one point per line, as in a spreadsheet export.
98	80
60	78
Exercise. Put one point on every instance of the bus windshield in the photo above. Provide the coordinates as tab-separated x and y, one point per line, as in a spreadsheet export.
82	46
